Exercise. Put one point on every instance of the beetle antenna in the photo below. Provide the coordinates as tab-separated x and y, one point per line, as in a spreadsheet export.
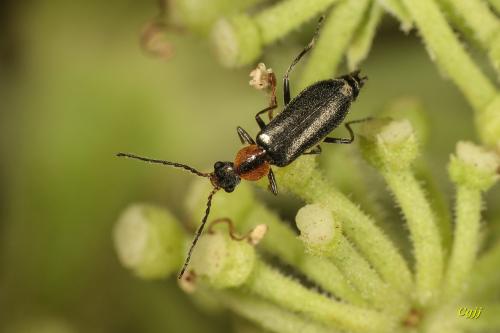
198	232
306	49
177	165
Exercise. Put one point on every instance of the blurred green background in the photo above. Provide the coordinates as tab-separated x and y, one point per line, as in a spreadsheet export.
76	88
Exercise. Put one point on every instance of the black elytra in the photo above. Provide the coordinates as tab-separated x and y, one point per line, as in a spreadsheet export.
304	123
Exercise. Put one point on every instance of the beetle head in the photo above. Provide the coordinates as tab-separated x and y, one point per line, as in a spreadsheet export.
225	176
355	81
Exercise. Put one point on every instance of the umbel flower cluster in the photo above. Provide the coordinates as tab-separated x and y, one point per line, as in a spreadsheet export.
342	272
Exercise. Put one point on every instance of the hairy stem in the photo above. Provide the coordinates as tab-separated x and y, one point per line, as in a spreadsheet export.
480	21
337	32
282	242
306	181
272	285
366	280
362	41
485	275
444	47
268	315
277	21
466	242
396	8
423	230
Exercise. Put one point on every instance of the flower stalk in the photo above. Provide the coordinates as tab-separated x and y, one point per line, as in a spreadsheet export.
473	170
391	147
336	33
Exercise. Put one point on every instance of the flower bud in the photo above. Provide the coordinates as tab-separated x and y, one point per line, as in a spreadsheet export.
388	144
318	230
474	166
236	40
222	261
148	241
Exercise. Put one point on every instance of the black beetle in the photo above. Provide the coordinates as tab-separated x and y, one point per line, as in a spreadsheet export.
305	121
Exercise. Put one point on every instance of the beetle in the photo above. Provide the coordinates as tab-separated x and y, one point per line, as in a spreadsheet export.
305	121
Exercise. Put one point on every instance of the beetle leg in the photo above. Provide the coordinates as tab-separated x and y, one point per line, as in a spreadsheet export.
244	136
273	103
273	187
315	151
258	118
351	132
286	81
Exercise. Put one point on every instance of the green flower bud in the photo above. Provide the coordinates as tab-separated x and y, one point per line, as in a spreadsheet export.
318	229
389	145
474	166
410	108
236	40
222	261
149	241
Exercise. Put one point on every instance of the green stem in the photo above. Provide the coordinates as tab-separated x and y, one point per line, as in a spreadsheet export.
480	22
366	280
450	56
277	21
478	17
483	282
488	122
200	15
466	243
362	41
355	181
439	205
289	294
396	8
338	30
306	181
238	39
268	315
282	242
423	231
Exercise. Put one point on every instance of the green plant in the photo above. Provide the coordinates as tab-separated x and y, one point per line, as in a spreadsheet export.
365	283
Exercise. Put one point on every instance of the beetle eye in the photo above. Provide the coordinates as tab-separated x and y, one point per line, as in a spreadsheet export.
218	165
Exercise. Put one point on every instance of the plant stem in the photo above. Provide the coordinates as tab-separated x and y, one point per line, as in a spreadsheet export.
289	294
396	8
362	41
439	206
200	15
477	17
423	231
277	21
488	122
466	243
282	242
336	34
306	181
268	315
444	47
485	275
366	280
238	39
